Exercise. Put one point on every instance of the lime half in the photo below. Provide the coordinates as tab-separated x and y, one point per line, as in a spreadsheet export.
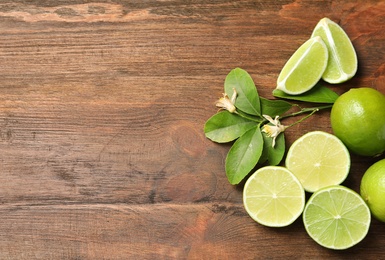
318	159
304	68
273	196
336	217
342	63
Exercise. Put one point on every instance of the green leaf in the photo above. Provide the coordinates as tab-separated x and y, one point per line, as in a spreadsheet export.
247	98
244	155
318	94
274	107
225	127
272	154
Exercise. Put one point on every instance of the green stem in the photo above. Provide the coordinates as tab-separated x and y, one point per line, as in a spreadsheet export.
312	110
303	118
307	110
260	120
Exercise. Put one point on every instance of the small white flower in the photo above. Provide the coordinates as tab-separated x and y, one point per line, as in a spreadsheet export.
226	103
273	130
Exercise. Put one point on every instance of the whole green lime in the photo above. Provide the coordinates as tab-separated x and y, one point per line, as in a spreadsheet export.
358	119
373	189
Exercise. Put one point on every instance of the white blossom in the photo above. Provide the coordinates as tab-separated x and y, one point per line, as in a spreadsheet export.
274	129
226	103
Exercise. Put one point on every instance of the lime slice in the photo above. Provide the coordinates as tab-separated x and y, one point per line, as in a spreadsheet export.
318	159
273	196
304	68
336	217
342	63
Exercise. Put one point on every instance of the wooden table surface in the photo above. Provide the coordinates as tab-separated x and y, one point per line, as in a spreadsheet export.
102	107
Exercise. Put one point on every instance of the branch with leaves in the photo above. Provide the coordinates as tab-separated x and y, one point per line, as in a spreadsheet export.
253	124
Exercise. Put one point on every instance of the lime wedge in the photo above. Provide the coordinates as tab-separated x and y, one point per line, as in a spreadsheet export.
342	63
318	159
273	196
336	217
304	68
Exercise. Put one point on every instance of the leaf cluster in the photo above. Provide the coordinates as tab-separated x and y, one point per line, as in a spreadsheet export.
252	146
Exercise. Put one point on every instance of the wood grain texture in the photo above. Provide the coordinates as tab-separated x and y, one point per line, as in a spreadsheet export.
102	107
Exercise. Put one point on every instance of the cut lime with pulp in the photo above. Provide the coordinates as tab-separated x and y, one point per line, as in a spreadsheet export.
304	68
336	217
342	63
273	196
318	159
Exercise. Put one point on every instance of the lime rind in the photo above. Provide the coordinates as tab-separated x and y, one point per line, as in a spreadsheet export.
358	119
273	196
318	159
342	63
304	68
372	189
336	217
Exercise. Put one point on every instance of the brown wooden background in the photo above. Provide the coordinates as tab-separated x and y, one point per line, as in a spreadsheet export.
102	107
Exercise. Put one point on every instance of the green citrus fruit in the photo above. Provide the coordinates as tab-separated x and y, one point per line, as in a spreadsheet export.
304	68
336	217
358	119
342	63
273	196
318	159
373	189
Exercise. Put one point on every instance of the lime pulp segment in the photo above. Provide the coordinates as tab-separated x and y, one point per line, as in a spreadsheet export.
336	217
342	62
304	68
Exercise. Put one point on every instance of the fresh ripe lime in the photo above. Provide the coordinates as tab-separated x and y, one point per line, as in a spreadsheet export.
342	63
273	196
358	119
305	67
373	189
336	217
318	159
